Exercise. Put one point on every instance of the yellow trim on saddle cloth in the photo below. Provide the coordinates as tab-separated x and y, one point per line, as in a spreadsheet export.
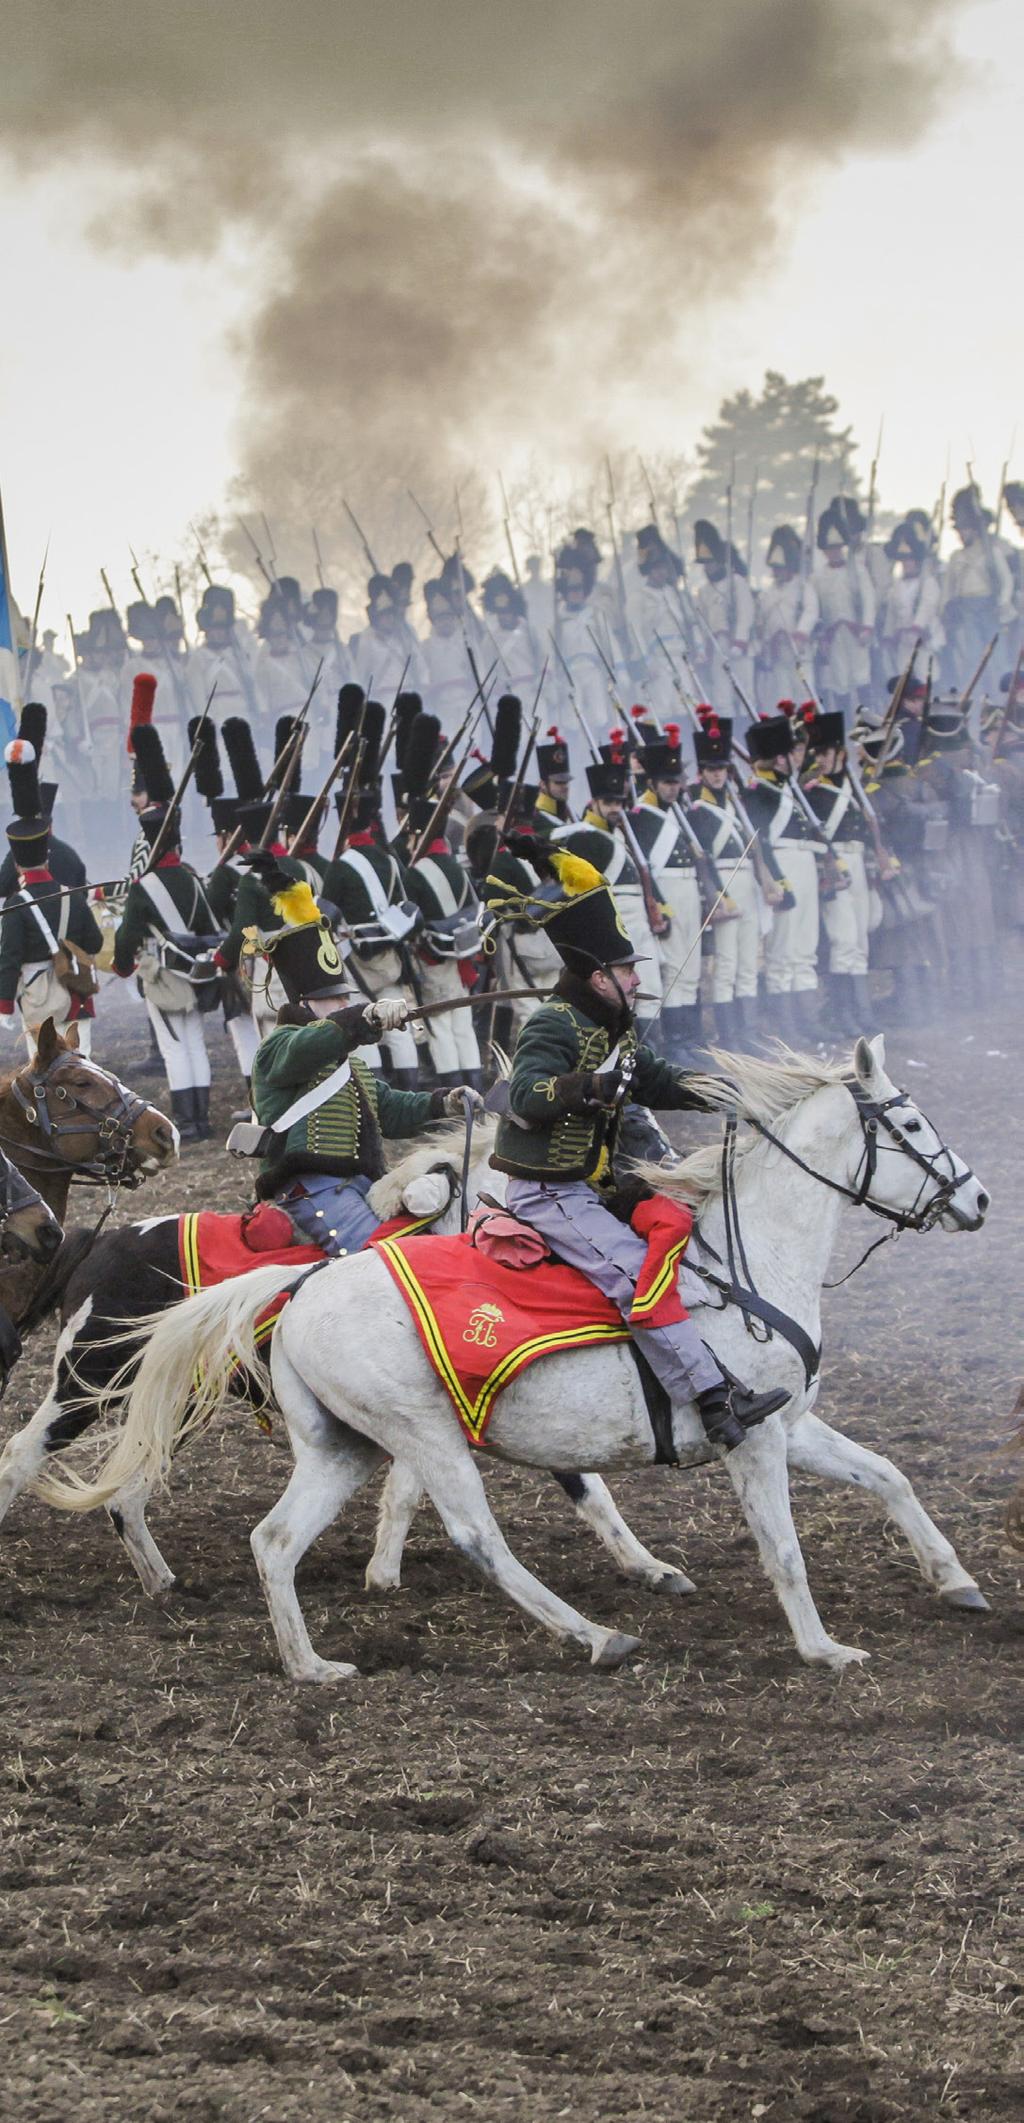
188	1254
474	1415
642	1307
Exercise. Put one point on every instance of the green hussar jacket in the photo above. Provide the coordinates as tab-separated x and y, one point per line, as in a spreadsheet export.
343	1135
547	1132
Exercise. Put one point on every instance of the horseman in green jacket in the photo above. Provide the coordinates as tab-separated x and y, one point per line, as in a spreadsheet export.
577	1061
323	1110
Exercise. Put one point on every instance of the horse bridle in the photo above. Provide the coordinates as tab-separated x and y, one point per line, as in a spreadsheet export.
112	1126
873	1114
16	1192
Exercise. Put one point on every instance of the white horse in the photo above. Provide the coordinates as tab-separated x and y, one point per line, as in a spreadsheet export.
818	1137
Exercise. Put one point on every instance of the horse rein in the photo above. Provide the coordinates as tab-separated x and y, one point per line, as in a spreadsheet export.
112	1126
872	1113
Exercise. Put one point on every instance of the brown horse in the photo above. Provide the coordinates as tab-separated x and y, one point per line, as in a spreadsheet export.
63	1118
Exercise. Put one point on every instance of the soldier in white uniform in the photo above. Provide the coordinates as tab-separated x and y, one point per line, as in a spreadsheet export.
791	851
221	656
978	590
281	662
581	617
382	648
508	634
656	610
726	604
787	614
911	607
450	683
848	607
324	644
670	858
845	913
101	653
725	836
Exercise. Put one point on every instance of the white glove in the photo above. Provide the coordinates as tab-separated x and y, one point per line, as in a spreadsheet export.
454	1100
388	1014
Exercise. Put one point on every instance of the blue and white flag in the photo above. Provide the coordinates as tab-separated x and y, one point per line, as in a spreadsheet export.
10	682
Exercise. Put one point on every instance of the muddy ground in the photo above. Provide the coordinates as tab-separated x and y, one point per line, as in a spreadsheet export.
483	1880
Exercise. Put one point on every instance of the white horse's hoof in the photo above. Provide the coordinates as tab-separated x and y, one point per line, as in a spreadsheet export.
326	1670
674	1581
966	1596
613	1650
839	1655
382	1580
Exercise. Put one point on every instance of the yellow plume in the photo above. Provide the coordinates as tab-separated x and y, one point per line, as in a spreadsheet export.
574	874
296	904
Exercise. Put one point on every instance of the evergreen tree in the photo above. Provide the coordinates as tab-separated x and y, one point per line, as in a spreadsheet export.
773	440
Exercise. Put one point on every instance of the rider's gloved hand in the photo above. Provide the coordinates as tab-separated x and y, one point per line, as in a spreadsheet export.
388	1014
584	1089
454	1100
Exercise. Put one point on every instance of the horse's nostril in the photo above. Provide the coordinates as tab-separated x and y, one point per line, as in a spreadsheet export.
983	1201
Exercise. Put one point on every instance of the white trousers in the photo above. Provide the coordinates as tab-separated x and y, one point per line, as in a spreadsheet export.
679	891
734	968
791	951
630	902
452	1038
245	1038
847	917
179	1036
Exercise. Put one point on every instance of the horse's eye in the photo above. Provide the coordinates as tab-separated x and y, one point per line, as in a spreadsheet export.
912	1127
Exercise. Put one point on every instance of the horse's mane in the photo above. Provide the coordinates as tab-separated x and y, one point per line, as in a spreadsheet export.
759	1090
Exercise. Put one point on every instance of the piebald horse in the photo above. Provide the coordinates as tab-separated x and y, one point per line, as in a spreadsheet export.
817	1137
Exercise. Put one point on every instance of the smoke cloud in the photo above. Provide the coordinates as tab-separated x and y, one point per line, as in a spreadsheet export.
467	220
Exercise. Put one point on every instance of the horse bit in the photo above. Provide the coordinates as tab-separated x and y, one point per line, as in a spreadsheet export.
112	1126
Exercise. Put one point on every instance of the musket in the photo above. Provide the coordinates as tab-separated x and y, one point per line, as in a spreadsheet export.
201	556
751	508
436	821
418	506
965	696
178	687
649	484
180	597
730	593
861	797
393	717
288	758
873	481
889	719
26	683
808	539
319	558
507	522
1010	698
135	575
1002	482
173	807
271	548
268	578
296	839
620	580
361	535
704	862
652	905
352	784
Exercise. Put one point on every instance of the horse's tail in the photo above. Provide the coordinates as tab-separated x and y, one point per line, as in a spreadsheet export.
49	1292
192	1352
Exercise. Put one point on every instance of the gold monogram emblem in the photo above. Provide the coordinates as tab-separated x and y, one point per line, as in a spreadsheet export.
481	1326
327	957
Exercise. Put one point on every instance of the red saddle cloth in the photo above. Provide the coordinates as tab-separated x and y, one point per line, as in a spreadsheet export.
481	1323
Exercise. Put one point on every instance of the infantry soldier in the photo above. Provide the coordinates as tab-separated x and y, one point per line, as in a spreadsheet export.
726	604
221	659
366	883
791	948
48	935
787	614
166	932
846	597
846	913
910	608
670	858
576	1063
599	838
726	838
386	646
978	587
552	806
449	676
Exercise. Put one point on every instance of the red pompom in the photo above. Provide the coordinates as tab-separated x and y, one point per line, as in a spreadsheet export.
808	710
704	709
786	707
672	733
554	732
143	696
638	712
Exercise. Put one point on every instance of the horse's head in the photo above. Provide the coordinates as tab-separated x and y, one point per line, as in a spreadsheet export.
74	1113
28	1229
903	1167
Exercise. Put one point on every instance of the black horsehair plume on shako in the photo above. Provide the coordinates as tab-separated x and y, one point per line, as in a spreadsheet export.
241	751
420	755
508	716
284	731
350	700
32	727
23	774
208	778
373	737
407	707
154	771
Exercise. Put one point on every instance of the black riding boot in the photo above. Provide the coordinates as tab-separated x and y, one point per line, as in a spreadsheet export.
728	1411
675	1028
184	1113
728	1033
201	1095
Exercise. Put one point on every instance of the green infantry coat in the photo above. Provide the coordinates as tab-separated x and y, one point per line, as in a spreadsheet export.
140	919
547	1133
